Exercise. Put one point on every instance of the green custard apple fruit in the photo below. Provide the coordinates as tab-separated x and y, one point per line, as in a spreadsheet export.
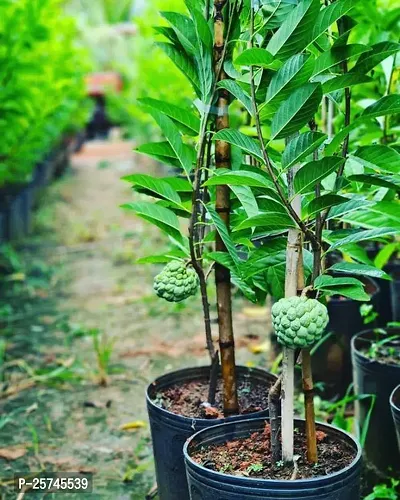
299	321
176	282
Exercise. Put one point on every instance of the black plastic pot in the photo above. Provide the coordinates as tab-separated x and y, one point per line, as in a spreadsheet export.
170	431
395	407
19	214
332	360
394	271
206	484
373	377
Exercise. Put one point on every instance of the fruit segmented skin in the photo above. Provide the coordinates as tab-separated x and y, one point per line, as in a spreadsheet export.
176	282
299	321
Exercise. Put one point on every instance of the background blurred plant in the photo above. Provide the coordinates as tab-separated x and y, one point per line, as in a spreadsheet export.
42	81
144	68
147	73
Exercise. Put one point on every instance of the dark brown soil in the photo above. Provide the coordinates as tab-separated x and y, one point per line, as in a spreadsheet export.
188	399
250	457
388	353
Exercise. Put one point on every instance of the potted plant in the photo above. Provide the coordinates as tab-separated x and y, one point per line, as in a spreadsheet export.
287	60
376	368
182	402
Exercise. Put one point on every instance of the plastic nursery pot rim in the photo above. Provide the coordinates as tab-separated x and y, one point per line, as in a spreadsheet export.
176	417
359	336
219	476
395	407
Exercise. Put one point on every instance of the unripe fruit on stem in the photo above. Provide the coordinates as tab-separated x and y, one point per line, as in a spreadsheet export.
176	282
299	321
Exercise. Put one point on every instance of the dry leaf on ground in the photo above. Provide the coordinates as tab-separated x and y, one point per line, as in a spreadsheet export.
13	452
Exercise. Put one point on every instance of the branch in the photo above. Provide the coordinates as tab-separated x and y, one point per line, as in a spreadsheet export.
307	232
347	119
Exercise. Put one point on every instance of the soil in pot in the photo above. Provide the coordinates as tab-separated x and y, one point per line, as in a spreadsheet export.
187	399
250	457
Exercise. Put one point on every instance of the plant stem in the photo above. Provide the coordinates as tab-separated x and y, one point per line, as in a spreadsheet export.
222	205
273	406
308	389
347	119
285	201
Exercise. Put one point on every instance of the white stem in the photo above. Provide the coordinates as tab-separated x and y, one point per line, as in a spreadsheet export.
287	397
293	256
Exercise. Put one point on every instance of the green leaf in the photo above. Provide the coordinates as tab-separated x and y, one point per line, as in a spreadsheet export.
202	27
370	234
347	287
184	30
387	105
242	141
357	253
347	207
184	63
343	81
378	53
328	16
161	258
156	186
296	111
160	216
222	258
182	116
300	147
163	152
294	73
391	209
385	254
276	281
238	178
180	185
171	132
379	156
272	221
255	57
295	32
223	233
323	202
387	181
236	90
337	55
247	199
313	172
359	270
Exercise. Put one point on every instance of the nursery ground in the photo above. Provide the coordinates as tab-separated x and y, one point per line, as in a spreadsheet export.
83	332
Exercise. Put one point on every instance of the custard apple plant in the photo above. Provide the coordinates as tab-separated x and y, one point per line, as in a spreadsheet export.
310	169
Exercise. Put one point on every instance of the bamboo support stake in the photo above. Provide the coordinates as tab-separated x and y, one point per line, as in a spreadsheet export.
222	274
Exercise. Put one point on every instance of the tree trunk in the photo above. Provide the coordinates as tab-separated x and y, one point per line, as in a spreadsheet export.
222	205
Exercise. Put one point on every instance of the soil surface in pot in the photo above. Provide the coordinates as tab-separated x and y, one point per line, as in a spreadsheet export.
187	399
251	457
386	349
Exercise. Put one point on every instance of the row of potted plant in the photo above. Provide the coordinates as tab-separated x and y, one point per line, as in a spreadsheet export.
42	100
275	179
